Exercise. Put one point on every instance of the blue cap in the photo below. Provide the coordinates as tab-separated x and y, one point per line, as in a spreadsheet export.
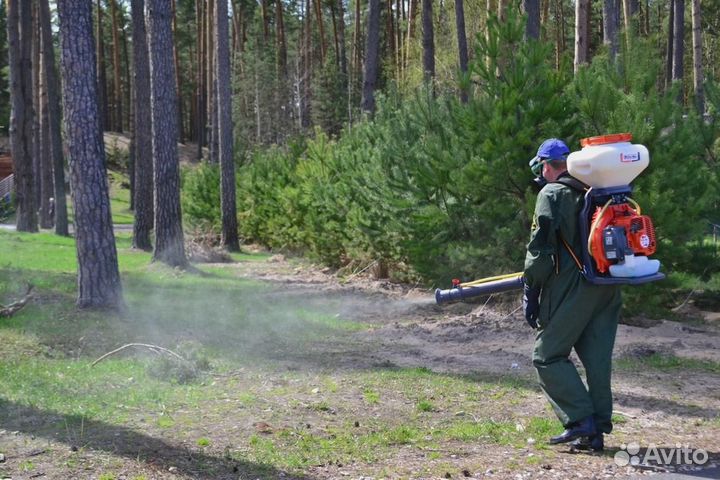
551	149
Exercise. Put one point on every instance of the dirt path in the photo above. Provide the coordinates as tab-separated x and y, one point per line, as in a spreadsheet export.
661	406
350	389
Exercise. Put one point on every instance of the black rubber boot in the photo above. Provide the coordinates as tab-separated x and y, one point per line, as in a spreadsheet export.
595	443
581	428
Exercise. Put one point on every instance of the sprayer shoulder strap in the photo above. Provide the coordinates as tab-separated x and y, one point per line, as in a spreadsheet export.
578	186
573	183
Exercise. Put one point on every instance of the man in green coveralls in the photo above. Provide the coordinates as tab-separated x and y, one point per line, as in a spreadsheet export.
567	311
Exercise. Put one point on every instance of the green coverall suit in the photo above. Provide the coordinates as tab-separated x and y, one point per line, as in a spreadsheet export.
573	313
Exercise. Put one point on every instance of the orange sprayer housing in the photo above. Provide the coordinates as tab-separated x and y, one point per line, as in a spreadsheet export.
638	229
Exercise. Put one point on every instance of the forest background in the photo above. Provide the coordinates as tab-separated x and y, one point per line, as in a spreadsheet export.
368	134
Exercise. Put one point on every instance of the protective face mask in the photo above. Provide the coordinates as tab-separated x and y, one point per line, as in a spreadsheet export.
540	181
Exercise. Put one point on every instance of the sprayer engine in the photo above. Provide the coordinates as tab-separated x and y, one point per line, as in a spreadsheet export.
620	231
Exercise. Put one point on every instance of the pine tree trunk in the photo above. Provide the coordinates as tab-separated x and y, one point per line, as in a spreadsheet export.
211	84
490	7
281	46
544	12
169	241
428	42
357	36
321	29
101	77
19	26
679	45
144	208
178	82
581	32
412	15
227	164
532	26
390	33
37	160
670	43
372	56
462	44
54	121
503	6
336	41
46	166
200	121
341	41
307	63
698	78
127	81
282	101
559	33
98	275
117	76
611	26
265	20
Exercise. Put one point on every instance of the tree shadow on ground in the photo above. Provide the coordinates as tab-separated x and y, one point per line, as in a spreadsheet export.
665	405
156	453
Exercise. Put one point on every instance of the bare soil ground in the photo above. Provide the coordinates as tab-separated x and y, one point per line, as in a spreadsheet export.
323	390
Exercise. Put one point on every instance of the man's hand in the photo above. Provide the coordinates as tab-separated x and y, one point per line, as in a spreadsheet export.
531	304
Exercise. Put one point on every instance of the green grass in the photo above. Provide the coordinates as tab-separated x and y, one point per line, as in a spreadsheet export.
233	326
371	397
119	201
669	362
203	442
425	406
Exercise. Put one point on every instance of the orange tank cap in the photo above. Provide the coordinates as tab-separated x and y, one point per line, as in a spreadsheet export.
605	139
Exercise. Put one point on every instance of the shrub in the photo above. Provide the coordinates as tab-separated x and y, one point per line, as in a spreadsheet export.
200	197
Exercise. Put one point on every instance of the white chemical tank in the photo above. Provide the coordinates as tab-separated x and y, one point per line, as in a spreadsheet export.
608	161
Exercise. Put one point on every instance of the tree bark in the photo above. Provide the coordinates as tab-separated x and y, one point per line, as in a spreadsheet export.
336	41
560	44
117	76
36	150
101	77
54	121
341	41
428	42
46	165
670	43
678	44
532	25
503	6
98	275
281	45
581	32
321	29
391	47
200	121
127	82
307	67
462	44
372	56
611	27
19	26
698	77
211	84
225	129
265	20
178	81
169	241
412	14
144	209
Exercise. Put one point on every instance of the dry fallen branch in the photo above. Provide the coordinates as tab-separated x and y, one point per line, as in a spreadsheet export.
154	348
12	309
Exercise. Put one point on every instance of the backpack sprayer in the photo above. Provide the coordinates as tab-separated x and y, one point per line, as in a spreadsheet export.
619	238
